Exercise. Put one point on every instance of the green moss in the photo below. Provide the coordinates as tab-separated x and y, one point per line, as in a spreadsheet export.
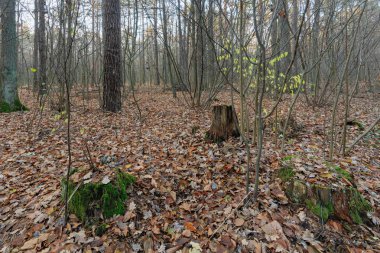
356	123
17	106
286	173
341	172
322	211
358	206
287	158
94	198
101	229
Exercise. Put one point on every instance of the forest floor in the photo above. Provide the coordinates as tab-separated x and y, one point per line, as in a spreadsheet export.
188	194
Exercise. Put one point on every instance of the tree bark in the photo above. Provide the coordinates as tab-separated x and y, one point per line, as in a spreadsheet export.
112	56
9	95
225	124
35	48
157	72
42	48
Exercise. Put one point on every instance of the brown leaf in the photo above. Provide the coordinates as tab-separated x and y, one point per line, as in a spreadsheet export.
185	206
148	245
190	226
186	233
239	222
156	230
31	244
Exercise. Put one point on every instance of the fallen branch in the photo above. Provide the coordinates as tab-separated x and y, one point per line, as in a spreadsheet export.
363	134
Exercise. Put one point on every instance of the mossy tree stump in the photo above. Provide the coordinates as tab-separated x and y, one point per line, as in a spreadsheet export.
343	203
225	124
92	201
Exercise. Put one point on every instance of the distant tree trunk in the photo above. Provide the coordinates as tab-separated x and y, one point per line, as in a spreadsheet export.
42	49
315	47
211	77
35	48
295	13
225	123
143	50
199	63
284	34
9	100
157	72
181	44
112	56
69	72
274	44
93	75
167	61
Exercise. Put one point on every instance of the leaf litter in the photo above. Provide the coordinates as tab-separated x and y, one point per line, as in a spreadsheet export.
188	191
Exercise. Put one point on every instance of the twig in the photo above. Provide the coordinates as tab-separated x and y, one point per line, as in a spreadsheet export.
88	157
363	134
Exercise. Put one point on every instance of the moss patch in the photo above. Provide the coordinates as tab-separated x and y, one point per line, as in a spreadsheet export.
358	206
101	229
341	172
286	173
93	199
287	158
317	208
342	203
356	123
17	106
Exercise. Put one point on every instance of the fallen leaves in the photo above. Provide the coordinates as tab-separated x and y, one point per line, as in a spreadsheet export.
188	191
273	232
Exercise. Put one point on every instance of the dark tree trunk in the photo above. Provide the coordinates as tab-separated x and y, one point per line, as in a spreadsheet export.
112	56
35	48
156	70
42	48
225	124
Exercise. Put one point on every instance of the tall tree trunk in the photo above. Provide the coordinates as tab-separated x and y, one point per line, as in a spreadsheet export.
181	44
157	72
94	72
274	44
42	48
315	47
35	48
143	50
295	13
284	34
9	100
167	61
112	56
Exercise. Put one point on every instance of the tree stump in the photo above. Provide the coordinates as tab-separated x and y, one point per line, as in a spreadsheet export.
224	124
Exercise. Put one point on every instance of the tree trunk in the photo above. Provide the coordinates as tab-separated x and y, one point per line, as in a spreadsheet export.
112	56
35	48
224	124
9	100
157	72
42	49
